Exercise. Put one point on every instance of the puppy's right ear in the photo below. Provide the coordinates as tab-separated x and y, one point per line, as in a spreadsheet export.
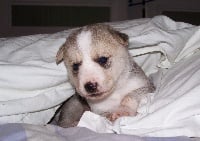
122	38
60	54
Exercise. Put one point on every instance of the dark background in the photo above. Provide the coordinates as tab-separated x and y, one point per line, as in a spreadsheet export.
26	17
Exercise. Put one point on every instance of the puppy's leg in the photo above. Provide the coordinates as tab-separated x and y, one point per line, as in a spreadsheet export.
71	111
128	107
129	104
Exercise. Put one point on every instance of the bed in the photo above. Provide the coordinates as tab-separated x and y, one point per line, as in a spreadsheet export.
33	87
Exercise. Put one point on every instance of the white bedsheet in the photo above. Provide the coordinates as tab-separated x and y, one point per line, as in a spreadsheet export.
32	86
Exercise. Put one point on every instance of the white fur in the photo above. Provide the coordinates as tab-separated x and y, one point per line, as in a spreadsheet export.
86	72
110	104
84	41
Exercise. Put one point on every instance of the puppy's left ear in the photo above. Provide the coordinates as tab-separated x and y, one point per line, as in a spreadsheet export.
122	38
60	54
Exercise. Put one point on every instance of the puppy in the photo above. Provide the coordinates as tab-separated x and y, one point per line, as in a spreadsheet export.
102	71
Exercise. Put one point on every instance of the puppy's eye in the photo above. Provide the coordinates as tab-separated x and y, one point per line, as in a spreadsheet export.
103	61
75	67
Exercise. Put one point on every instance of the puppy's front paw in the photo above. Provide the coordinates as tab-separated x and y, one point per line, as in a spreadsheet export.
121	112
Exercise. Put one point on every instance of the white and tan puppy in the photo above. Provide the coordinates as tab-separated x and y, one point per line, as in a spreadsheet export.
102	71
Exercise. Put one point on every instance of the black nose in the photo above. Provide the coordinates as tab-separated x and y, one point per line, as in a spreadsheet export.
91	87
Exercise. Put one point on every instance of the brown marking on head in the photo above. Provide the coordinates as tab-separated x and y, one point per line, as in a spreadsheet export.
59	56
69	43
105	33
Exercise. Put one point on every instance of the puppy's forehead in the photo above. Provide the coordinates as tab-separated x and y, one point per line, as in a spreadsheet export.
84	42
91	40
101	34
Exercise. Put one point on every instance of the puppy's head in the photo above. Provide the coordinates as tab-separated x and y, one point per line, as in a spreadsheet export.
95	56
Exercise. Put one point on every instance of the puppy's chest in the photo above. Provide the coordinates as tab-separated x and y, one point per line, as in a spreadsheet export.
108	105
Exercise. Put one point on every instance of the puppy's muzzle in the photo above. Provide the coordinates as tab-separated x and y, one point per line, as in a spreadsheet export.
91	87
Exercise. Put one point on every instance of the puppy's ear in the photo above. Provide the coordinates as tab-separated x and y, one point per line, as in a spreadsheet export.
122	38
60	53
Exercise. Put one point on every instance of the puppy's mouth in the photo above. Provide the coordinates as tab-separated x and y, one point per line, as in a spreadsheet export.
97	96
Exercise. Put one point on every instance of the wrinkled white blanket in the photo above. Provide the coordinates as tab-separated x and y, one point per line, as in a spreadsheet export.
32	86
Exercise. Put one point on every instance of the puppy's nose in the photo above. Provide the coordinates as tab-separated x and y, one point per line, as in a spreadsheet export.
91	87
